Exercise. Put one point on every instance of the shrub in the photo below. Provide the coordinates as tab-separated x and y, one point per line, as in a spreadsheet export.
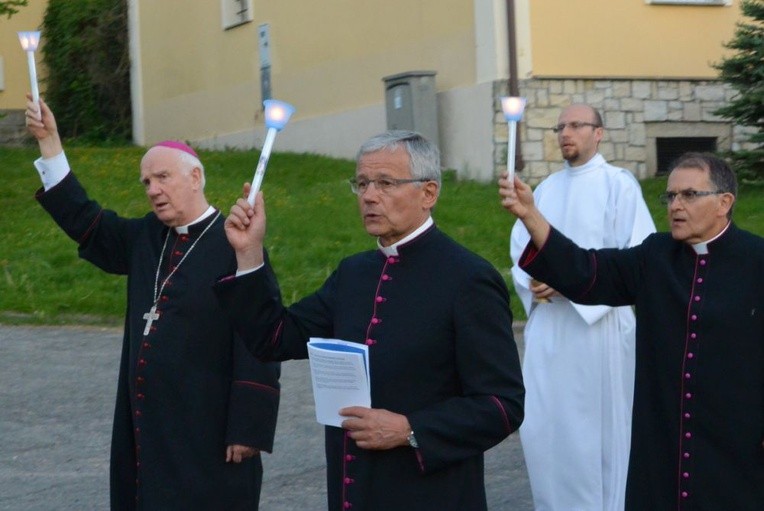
88	82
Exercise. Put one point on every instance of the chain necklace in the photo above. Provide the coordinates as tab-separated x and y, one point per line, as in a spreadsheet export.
152	315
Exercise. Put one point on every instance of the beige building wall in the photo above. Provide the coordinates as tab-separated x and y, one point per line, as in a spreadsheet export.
328	59
190	79
646	66
628	38
14	75
195	81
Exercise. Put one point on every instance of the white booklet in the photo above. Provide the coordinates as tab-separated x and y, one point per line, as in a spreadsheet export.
340	374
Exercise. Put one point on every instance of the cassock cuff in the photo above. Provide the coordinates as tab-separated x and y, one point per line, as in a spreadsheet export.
530	252
252	414
52	170
239	273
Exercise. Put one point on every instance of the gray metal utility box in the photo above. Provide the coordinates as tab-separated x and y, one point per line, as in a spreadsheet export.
411	103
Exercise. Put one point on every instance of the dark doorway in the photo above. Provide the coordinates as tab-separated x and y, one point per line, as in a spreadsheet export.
670	148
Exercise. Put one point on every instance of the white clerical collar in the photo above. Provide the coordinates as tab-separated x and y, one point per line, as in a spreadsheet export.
392	250
702	247
595	161
183	229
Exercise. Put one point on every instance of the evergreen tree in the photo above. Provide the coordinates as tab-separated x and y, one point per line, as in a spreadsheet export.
744	72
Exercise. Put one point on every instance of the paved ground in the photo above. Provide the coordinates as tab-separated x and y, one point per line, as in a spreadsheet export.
57	387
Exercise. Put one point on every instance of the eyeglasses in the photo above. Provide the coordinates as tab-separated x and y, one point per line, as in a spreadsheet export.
382	184
574	125
687	196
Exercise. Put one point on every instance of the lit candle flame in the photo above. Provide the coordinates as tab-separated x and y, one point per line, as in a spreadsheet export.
277	113
513	107
29	40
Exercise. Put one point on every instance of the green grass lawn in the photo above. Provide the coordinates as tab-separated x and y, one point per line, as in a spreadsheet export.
312	223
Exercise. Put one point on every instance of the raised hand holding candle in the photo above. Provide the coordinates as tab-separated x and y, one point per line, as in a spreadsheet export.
29	42
513	108
277	114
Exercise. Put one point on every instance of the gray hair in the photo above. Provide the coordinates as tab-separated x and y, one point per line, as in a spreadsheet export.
424	157
188	162
721	176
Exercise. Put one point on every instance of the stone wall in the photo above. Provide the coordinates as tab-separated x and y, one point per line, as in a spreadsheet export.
12	129
635	113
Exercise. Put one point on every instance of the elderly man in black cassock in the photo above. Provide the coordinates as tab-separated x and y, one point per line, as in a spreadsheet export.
445	374
194	408
698	417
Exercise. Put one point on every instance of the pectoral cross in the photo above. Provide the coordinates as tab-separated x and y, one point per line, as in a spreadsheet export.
151	316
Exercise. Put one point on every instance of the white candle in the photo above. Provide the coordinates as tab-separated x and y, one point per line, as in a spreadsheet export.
513	108
29	42
277	114
511	149
265	154
33	77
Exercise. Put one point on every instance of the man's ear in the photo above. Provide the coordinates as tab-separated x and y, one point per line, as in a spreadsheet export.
599	134
196	176
726	201
431	193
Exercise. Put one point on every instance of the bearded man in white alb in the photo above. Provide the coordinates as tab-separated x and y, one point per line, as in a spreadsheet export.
579	360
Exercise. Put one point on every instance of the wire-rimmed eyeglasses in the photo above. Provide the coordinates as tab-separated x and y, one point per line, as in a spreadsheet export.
382	184
574	125
686	196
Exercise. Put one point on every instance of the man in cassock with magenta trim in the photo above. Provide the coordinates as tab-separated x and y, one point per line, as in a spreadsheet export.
445	373
194	408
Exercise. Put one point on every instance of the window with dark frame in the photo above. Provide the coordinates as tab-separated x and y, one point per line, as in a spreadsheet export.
236	12
668	149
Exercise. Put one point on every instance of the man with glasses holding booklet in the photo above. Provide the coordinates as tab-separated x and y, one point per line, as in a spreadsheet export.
445	375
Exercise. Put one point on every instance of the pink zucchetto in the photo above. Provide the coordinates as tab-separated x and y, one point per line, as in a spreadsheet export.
172	144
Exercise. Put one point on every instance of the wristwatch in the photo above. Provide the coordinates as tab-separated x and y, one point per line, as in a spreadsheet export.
412	440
